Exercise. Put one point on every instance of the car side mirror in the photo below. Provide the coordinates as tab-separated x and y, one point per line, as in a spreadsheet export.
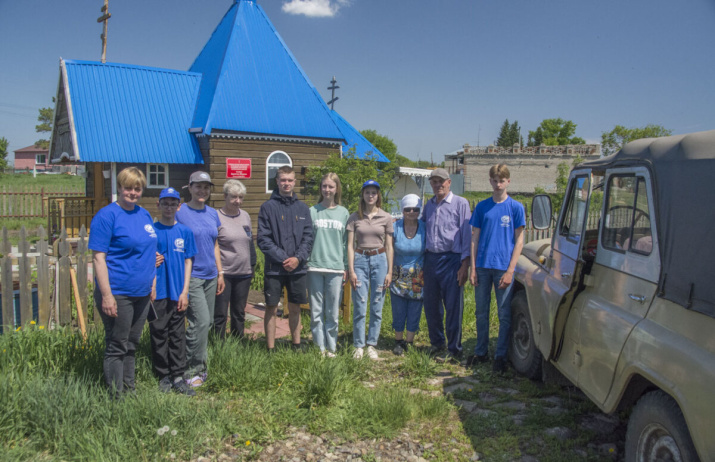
541	211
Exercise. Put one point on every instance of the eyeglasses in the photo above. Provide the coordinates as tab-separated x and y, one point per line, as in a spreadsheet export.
412	209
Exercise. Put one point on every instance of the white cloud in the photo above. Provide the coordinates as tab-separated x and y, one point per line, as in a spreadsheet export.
314	8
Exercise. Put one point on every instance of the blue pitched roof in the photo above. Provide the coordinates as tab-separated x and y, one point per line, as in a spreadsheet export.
353	138
125	113
253	84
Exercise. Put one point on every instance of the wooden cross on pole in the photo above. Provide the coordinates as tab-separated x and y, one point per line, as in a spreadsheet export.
333	87
104	18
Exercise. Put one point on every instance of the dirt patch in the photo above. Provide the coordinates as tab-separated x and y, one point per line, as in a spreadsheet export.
255	297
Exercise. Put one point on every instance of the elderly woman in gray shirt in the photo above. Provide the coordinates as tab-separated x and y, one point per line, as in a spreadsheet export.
238	259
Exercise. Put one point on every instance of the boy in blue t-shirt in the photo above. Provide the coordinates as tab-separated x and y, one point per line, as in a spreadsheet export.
497	239
176	244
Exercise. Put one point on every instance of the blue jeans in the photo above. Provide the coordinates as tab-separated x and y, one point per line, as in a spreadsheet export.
406	311
200	315
324	289
486	279
371	272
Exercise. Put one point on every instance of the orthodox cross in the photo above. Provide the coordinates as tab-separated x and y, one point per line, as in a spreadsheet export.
333	98
104	18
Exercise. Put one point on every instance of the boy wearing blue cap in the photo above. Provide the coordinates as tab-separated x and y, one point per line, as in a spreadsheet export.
176	244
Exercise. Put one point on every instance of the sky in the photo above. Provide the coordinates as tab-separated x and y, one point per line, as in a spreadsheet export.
430	75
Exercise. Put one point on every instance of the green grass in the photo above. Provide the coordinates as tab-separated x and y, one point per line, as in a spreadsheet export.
55	407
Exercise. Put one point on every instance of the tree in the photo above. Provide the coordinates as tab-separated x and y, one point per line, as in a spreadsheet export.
3	153
353	172
46	118
509	134
555	132
613	141
381	142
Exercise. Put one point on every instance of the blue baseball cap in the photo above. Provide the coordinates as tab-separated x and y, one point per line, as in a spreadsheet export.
169	192
371	183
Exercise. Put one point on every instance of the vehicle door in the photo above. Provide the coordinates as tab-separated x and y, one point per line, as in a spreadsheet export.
622	281
565	263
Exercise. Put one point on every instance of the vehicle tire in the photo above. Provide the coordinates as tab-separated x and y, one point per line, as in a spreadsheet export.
523	354
657	431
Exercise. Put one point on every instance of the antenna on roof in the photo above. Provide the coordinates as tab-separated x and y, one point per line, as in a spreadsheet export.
333	98
104	18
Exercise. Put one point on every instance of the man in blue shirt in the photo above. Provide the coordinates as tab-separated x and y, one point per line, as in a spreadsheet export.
446	218
497	240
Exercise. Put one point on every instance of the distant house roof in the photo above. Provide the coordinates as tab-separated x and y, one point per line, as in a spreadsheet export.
126	113
31	149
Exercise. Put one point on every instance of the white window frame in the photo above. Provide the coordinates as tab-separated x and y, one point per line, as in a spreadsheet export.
149	185
276	165
37	159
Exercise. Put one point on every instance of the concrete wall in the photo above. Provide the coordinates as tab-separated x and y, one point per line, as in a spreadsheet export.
530	166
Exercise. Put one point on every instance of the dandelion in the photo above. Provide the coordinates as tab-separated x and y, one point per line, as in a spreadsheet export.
18	329
469	389
33	322
611	449
173	432
248	443
160	432
42	327
165	428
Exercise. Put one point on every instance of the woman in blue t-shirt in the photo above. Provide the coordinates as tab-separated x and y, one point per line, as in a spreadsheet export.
123	244
206	275
407	277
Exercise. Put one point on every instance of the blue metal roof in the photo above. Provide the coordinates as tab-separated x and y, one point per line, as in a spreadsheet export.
253	84
126	113
353	138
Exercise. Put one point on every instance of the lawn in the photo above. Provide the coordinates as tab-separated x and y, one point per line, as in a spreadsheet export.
55	408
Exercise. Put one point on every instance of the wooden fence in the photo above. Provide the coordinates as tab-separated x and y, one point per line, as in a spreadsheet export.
31	201
45	284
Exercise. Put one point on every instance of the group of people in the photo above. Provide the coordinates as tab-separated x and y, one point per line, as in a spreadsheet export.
189	269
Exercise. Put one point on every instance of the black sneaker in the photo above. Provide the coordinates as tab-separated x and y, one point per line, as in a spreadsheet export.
400	348
499	365
296	347
435	351
473	360
452	358
165	385
180	386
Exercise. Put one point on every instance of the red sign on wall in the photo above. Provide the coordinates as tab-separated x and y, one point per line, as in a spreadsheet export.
238	168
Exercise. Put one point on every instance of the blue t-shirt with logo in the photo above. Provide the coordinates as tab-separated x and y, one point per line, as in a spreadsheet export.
176	243
497	223
204	224
129	240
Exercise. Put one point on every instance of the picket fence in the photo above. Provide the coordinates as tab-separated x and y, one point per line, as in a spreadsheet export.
31	201
45	284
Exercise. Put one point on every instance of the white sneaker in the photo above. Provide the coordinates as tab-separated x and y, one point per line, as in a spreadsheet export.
329	354
372	352
357	354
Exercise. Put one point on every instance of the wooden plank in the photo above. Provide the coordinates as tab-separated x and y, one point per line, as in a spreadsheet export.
25	282
8	314
43	279
63	280
82	263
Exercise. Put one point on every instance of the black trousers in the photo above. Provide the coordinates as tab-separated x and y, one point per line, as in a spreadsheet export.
168	339
121	337
234	295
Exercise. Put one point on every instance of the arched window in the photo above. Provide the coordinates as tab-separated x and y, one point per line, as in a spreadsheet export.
276	160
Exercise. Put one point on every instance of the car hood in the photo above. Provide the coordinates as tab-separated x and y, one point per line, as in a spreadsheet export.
535	249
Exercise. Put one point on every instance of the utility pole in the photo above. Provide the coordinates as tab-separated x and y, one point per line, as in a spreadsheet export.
104	18
333	98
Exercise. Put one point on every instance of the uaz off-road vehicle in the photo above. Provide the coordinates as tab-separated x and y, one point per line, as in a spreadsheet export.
622	302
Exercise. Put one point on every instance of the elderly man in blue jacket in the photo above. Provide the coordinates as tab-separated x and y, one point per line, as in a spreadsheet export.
285	236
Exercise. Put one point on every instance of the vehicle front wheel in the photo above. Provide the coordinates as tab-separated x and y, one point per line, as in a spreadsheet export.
657	431
523	354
